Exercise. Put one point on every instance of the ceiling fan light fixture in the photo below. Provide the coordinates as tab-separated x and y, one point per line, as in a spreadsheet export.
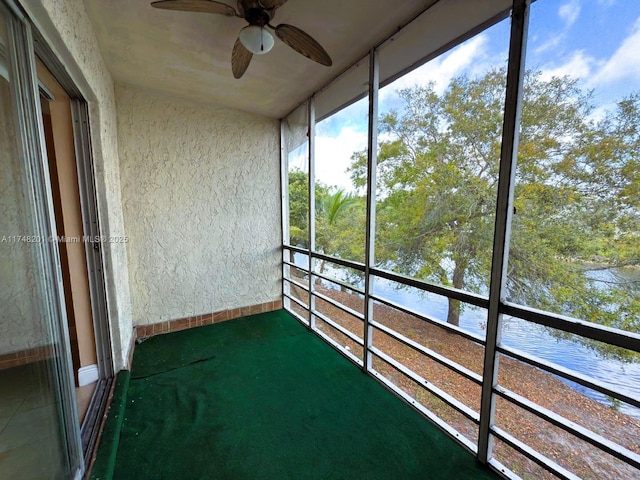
258	40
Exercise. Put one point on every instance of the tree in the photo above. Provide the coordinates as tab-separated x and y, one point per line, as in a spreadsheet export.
331	208
576	193
339	219
299	208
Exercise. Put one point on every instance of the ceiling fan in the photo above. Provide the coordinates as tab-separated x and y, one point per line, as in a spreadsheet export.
256	37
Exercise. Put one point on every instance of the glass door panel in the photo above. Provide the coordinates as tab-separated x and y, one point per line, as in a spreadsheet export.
37	428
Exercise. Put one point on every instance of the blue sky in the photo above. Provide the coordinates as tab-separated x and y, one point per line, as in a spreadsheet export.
595	41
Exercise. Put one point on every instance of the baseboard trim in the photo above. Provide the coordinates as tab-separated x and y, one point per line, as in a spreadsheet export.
144	331
87	375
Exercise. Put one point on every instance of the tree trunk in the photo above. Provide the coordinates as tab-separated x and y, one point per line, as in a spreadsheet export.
318	279
453	315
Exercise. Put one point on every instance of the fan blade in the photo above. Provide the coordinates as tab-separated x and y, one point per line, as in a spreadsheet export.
303	43
206	6
240	59
269	4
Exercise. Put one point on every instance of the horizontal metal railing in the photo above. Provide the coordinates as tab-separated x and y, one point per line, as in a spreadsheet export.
430	387
542	460
340	306
298	317
444	426
427	352
346	353
297	300
292	248
449	292
573	428
338	282
433	321
295	265
338	261
591	331
339	327
297	284
463	296
327	258
567	373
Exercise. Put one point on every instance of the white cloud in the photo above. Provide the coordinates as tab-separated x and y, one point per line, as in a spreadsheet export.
598	114
333	151
579	65
569	12
298	158
441	70
333	156
552	42
623	64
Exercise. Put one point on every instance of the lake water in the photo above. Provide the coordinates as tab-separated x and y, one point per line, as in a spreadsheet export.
525	336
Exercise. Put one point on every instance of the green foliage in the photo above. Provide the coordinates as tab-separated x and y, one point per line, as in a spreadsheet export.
576	195
615	403
340	224
299	208
340	218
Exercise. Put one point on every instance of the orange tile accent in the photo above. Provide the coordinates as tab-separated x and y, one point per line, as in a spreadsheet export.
143	331
200	320
221	316
181	324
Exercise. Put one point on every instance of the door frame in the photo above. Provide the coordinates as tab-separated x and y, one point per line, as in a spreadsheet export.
26	43
93	248
37	187
88	201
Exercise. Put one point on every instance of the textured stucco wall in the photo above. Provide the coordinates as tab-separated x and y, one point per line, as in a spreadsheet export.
201	198
21	327
67	29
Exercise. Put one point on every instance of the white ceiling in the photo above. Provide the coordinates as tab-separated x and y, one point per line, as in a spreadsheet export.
188	55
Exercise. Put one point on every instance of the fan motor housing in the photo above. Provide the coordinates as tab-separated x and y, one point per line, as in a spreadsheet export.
257	16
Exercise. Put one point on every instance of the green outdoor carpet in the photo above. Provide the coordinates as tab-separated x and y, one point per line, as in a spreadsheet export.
263	398
105	462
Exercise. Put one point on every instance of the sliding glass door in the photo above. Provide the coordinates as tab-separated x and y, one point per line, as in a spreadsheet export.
39	434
